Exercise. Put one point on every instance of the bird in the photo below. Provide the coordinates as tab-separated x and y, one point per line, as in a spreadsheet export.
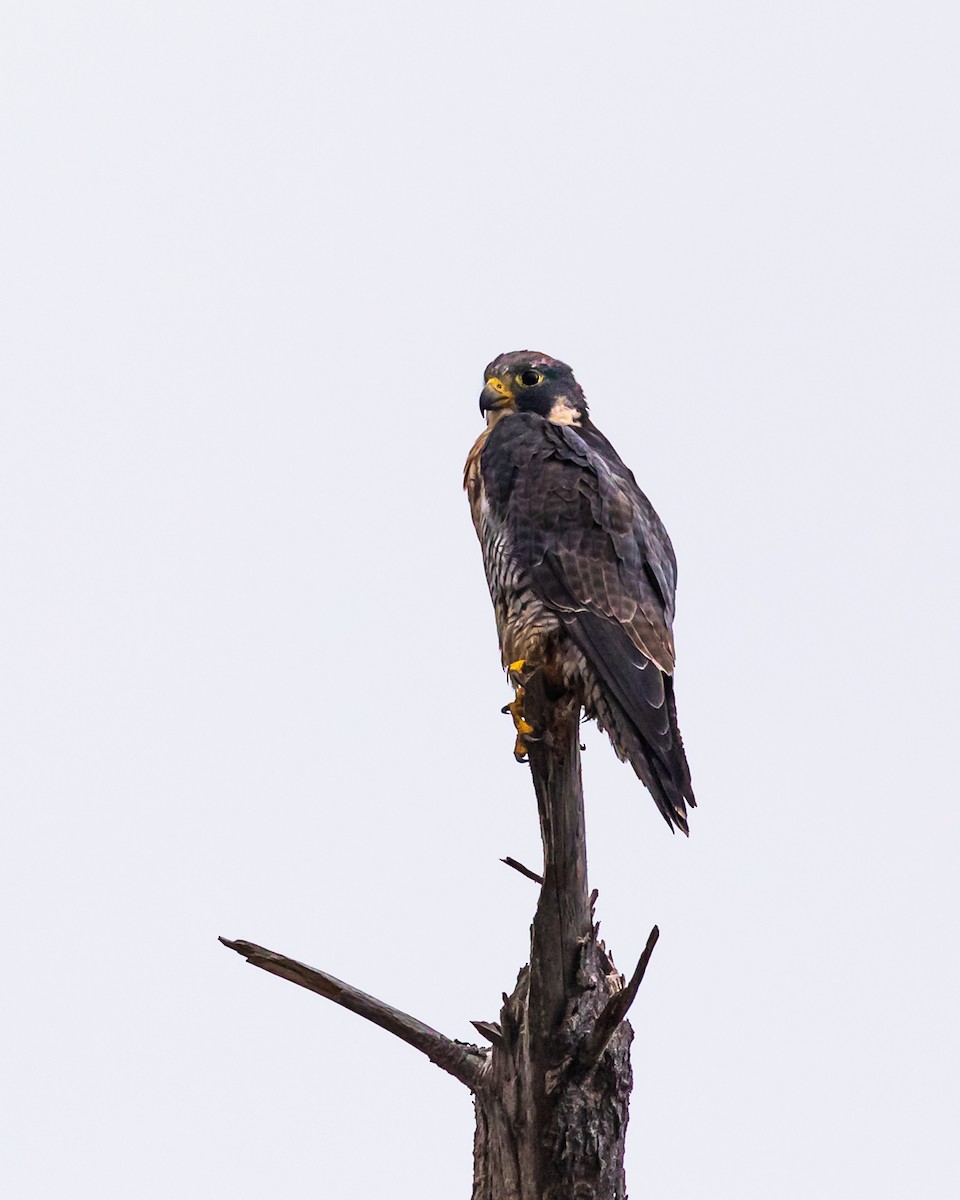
580	569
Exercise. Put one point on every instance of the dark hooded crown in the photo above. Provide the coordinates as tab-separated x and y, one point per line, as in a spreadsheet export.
537	382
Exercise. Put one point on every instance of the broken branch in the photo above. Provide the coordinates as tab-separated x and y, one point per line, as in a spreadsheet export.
462	1061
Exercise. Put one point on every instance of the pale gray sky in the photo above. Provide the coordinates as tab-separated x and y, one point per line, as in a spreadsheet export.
255	258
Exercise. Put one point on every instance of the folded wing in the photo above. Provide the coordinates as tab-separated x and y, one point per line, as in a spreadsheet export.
596	553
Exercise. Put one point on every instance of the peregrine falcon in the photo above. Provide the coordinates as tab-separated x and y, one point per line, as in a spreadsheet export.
580	569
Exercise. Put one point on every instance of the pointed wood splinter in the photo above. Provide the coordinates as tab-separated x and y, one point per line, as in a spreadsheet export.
518	866
616	1008
490	1030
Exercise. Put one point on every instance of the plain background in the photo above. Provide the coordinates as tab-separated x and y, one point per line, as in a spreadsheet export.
255	258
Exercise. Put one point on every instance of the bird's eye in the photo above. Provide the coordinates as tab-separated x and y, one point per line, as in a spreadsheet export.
530	377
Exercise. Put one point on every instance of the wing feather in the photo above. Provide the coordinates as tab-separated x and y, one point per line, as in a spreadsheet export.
612	554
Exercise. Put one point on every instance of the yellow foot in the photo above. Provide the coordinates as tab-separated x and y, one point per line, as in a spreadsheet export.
522	726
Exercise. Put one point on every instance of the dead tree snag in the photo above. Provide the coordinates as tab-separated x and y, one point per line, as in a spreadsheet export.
552	1088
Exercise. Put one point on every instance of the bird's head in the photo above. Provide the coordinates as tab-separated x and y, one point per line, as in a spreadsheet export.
525	381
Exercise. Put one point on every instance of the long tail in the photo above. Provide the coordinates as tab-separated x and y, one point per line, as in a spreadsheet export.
633	701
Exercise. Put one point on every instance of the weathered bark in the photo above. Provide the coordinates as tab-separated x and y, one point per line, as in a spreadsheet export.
552	1090
552	1112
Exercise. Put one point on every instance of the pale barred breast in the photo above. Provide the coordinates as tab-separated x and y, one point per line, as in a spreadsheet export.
522	620
491	532
472	483
498	563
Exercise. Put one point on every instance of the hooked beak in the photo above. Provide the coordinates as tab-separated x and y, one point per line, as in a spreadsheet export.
495	396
